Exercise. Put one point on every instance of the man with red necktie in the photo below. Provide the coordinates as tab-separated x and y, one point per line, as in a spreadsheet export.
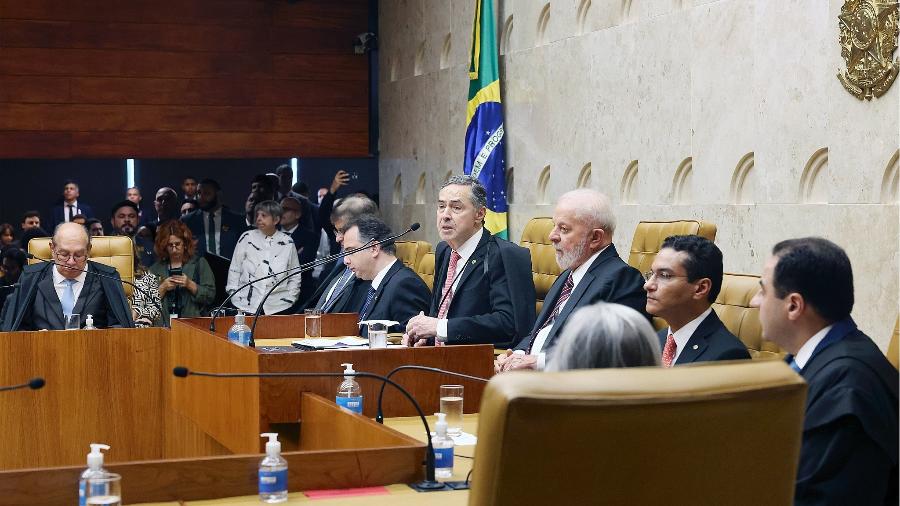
684	280
583	226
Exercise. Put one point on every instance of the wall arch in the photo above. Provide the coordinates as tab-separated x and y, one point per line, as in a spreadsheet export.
543	185
628	189
742	181
682	183
813	188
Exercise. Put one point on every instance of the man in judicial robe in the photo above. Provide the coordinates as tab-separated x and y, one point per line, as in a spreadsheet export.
48	292
583	226
483	288
850	444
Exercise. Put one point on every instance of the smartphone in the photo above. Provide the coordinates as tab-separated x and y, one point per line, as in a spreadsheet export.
175	272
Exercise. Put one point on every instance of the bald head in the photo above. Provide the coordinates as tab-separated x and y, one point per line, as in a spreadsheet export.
70	245
583	224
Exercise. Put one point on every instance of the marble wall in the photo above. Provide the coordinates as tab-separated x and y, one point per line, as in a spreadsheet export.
728	111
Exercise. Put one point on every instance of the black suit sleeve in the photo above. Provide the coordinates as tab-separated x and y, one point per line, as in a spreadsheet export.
841	465
497	323
409	297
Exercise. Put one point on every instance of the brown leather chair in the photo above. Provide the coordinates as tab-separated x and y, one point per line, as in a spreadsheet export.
649	236
425	269
114	251
710	434
411	252
544	269
893	351
733	307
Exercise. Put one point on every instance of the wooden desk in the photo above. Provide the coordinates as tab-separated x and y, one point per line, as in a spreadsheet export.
398	495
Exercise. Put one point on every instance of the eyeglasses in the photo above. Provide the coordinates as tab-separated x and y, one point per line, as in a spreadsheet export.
65	256
175	245
661	276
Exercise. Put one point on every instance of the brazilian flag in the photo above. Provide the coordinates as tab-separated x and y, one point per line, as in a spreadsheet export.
485	154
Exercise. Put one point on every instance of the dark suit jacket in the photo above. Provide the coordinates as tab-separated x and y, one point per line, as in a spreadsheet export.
850	444
328	278
710	342
351	299
494	300
233	225
307	242
608	279
401	295
58	214
36	306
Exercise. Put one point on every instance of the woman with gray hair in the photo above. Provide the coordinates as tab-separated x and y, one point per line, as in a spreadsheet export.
605	335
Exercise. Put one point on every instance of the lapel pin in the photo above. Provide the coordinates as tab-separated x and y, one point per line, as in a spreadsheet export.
473	262
695	346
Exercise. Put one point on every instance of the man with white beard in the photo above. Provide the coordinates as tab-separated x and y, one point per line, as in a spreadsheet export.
583	226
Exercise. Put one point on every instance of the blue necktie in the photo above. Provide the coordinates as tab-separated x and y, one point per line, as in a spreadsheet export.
338	288
364	312
68	298
794	366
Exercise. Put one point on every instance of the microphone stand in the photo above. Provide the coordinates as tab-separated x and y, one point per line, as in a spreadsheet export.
414	226
33	383
100	275
299	269
428	485
379	417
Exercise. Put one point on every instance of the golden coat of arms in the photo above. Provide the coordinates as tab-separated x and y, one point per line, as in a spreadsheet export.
868	40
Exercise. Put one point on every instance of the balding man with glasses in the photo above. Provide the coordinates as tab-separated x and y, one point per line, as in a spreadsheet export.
49	293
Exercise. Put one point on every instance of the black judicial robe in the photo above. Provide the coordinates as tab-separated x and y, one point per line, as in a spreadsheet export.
850	441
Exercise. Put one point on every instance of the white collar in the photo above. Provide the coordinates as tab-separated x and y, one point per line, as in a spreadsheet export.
806	351
683	335
376	281
59	278
291	231
465	251
582	269
217	212
73	204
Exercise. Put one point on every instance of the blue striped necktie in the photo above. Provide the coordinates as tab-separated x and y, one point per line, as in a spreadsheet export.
338	288
364	312
68	298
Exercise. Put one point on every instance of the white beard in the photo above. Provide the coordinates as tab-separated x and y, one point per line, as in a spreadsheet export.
565	259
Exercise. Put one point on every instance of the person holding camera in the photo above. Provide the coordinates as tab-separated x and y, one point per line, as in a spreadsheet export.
187	284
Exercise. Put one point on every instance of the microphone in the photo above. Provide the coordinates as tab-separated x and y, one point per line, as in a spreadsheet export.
379	417
429	484
14	286
412	228
101	275
33	383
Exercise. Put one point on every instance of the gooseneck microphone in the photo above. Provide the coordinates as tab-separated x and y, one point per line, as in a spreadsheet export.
429	484
369	244
33	383
101	275
293	270
379	416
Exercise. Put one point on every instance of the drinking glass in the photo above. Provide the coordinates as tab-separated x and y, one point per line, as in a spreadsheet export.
106	491
313	323
452	406
73	321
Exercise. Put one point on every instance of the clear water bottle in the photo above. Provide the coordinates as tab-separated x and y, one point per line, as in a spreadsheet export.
239	333
349	394
443	448
273	472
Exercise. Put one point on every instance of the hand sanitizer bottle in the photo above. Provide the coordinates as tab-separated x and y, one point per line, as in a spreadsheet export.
239	333
273	472
349	394
443	448
89	323
94	470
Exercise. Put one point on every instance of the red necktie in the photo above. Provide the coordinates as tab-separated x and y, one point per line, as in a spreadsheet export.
563	297
669	351
447	291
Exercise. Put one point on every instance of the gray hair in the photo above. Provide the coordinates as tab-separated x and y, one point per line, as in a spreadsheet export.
594	209
479	194
371	228
269	207
605	335
353	207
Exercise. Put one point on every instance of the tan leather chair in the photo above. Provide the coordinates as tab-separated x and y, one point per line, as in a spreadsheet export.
411	252
893	351
544	269
114	251
649	236
425	269
710	434
733	307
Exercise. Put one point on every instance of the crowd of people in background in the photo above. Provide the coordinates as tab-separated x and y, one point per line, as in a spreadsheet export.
177	241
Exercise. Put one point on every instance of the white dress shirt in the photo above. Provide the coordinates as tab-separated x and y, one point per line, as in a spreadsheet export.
75	210
465	252
59	284
257	256
541	338
806	351
683	335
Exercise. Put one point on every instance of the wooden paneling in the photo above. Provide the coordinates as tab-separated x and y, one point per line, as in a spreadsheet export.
187	79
